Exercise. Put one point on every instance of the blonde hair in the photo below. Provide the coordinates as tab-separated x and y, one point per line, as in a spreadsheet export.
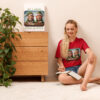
65	41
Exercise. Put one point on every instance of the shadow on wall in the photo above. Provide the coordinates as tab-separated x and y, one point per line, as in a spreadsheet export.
51	51
83	34
97	69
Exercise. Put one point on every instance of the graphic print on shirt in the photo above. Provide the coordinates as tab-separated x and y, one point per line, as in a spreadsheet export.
74	54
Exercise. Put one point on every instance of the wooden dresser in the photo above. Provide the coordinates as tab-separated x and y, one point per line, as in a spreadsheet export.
32	54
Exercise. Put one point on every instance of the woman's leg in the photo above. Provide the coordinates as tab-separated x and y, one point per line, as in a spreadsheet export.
82	68
82	71
66	79
87	69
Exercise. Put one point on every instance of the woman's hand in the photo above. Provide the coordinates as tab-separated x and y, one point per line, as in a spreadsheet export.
61	68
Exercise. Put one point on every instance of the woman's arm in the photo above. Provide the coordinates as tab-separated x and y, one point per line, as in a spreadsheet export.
60	64
91	55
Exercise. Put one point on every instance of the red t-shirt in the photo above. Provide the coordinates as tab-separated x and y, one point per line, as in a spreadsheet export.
74	52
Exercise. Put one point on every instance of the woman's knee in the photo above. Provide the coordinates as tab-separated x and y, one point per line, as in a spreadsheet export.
63	78
95	58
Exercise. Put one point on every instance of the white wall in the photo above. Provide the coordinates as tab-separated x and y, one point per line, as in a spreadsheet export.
85	12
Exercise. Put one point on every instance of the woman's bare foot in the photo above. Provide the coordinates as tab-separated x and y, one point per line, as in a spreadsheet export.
83	87
91	80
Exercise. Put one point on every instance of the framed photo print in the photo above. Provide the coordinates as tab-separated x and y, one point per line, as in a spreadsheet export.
34	18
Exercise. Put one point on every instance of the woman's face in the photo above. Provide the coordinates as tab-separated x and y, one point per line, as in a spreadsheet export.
71	30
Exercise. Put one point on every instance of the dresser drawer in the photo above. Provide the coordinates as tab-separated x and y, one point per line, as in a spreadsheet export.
31	68
32	53
32	39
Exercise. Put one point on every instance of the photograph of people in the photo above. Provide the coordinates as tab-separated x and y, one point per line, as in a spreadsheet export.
39	19
29	19
70	55
76	54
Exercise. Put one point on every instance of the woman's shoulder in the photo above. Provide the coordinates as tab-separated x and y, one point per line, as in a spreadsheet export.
80	39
